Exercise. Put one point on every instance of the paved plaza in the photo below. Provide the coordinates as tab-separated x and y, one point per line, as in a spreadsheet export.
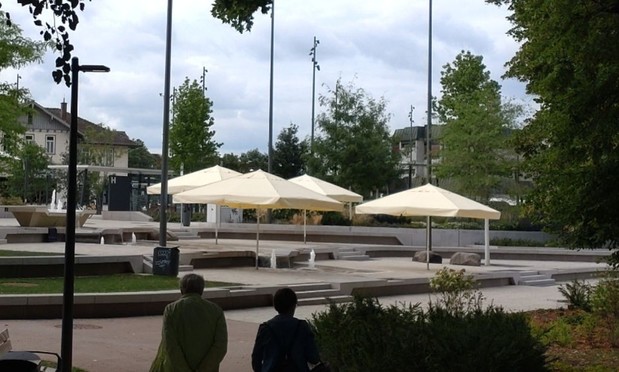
129	344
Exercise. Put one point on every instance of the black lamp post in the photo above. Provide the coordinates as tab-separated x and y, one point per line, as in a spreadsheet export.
315	67
66	350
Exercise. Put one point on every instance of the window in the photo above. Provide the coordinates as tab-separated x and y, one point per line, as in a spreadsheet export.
109	157
50	144
29	138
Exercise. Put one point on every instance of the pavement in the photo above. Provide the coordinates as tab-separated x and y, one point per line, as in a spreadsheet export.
129	344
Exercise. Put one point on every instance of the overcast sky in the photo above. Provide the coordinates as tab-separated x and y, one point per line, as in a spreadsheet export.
381	46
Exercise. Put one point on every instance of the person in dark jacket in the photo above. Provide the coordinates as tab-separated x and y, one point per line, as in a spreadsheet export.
284	339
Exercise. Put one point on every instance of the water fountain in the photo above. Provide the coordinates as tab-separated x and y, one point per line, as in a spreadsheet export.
52	215
133	238
312	260
102	240
273	260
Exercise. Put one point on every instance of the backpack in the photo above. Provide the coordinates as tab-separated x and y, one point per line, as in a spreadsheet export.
286	364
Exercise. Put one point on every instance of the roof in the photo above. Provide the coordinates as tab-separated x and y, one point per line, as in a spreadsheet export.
83	126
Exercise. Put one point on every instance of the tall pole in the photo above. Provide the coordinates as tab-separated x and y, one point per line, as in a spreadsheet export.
429	133
17	89
204	71
163	198
410	149
66	344
270	152
315	67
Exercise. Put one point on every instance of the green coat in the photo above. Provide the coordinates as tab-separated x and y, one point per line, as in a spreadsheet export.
194	336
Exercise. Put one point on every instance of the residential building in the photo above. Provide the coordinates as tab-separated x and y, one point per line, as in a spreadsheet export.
411	144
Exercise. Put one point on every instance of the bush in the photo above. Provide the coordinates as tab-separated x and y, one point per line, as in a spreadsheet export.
335	218
578	295
455	292
454	334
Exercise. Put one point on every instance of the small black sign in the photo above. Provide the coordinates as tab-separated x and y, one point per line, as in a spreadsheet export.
165	261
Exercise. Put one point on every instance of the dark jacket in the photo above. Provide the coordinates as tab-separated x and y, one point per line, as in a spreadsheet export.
275	337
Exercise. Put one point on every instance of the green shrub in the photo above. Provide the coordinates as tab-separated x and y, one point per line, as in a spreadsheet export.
366	336
455	291
559	333
509	242
335	218
578	294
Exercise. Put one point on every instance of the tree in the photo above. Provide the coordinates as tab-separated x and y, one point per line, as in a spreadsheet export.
191	136
353	147
237	13
140	157
475	152
289	153
253	160
231	161
29	174
568	57
15	51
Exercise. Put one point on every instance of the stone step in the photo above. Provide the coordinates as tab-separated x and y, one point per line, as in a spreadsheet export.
358	257
309	286
185	268
535	278
318	293
324	300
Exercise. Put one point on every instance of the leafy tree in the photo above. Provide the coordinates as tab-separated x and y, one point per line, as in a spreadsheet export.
15	51
140	157
475	155
191	136
29	174
289	153
231	161
237	13
354	147
253	160
568	57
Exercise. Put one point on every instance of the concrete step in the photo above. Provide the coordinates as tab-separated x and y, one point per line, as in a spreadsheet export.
538	282
324	300
318	293
350	254
182	268
309	286
535	278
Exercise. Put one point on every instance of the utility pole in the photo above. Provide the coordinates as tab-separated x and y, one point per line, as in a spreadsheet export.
410	149
315	67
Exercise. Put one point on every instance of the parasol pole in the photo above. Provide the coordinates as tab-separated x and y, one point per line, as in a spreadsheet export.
304	226
257	235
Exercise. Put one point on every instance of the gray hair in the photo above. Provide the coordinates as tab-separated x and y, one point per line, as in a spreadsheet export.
192	283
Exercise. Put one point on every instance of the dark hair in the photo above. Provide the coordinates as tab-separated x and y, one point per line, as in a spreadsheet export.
192	283
285	300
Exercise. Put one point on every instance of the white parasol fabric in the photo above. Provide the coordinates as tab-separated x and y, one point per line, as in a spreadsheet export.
430	200
195	179
260	190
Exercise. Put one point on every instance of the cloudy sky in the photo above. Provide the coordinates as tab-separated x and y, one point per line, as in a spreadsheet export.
380	46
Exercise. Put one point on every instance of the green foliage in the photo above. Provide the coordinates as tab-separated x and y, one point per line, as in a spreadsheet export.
509	242
558	333
570	145
605	297
335	219
239	13
475	154
578	294
366	336
253	160
191	130
353	147
455	292
29	174
140	157
289	154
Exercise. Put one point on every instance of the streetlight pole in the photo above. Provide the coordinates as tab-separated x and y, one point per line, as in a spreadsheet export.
410	149
163	197
315	67
66	348
270	152
429	134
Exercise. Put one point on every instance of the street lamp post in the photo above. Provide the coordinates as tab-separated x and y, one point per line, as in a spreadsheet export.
66	350
163	197
315	67
429	133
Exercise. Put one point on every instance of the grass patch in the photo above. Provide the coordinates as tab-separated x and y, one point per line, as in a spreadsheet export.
7	253
96	284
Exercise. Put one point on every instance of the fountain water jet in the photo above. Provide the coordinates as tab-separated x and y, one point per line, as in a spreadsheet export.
273	260
312	259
